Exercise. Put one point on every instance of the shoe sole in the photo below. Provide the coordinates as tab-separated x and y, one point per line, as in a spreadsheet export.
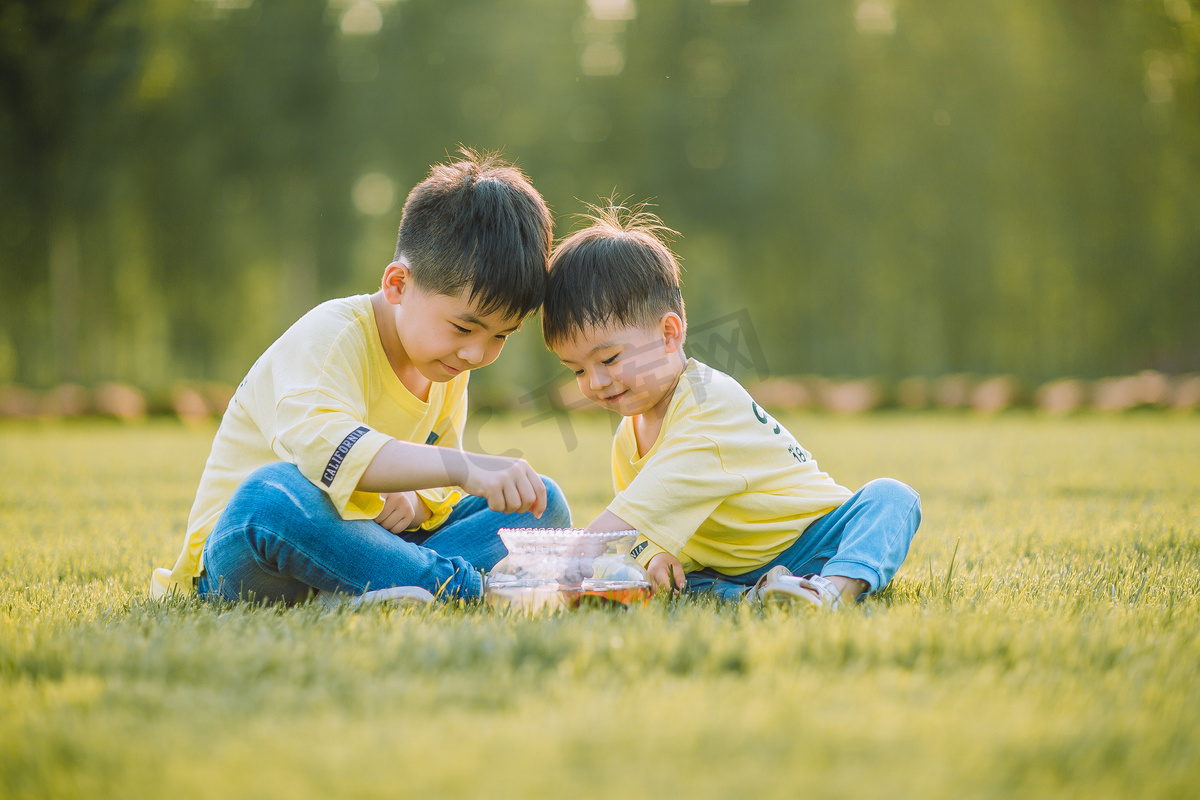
393	596
787	597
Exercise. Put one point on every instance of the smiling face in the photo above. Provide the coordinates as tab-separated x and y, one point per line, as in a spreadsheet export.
444	335
629	369
437	336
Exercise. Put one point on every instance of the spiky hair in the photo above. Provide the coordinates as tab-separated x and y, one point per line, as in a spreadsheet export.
617	269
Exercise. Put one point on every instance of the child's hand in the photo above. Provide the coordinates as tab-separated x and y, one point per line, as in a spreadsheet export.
509	485
401	511
666	572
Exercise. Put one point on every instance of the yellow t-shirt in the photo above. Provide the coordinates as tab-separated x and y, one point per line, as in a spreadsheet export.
325	398
724	486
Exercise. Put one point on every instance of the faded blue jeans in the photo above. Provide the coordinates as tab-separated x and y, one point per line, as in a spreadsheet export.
280	538
866	537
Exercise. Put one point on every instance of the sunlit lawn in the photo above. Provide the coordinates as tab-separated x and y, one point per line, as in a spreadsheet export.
1056	654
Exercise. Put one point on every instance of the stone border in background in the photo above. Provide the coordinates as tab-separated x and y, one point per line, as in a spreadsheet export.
200	403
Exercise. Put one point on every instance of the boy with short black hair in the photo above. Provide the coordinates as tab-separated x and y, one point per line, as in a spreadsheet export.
334	466
726	500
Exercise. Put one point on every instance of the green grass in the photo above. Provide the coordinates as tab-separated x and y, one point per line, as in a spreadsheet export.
1043	639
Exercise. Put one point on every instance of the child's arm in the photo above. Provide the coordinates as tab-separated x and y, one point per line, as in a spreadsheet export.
665	570
508	484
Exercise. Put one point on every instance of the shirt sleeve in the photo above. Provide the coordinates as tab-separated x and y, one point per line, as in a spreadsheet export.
321	429
677	489
644	551
441	500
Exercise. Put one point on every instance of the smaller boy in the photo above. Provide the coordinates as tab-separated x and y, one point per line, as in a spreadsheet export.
725	499
334	467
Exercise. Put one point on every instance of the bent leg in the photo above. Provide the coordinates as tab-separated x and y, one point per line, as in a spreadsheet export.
866	538
280	538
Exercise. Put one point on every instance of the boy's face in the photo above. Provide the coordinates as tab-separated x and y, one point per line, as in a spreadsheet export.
444	335
628	369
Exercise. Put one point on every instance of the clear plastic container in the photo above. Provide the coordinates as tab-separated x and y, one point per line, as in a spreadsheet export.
548	569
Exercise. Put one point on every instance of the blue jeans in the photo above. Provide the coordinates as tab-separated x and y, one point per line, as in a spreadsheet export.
280	538
866	537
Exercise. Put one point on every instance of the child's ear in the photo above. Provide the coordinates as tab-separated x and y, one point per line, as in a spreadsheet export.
671	326
397	279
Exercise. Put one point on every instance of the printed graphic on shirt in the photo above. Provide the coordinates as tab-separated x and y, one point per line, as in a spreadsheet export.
339	455
763	417
797	452
637	551
432	438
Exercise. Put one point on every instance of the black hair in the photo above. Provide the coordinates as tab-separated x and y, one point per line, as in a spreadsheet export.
478	223
616	270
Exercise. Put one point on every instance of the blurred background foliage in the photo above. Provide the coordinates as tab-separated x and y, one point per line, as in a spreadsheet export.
915	187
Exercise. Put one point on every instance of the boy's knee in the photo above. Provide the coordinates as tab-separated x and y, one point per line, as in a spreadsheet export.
892	492
272	477
273	485
558	513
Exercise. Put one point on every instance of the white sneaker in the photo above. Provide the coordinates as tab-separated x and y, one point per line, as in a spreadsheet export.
393	595
811	590
754	593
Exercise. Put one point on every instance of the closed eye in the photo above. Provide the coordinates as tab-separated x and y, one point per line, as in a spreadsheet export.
610	360
460	328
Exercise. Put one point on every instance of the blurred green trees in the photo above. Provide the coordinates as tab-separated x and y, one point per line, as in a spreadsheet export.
893	188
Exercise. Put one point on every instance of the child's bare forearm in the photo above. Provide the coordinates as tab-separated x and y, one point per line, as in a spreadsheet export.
404	466
608	521
509	484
